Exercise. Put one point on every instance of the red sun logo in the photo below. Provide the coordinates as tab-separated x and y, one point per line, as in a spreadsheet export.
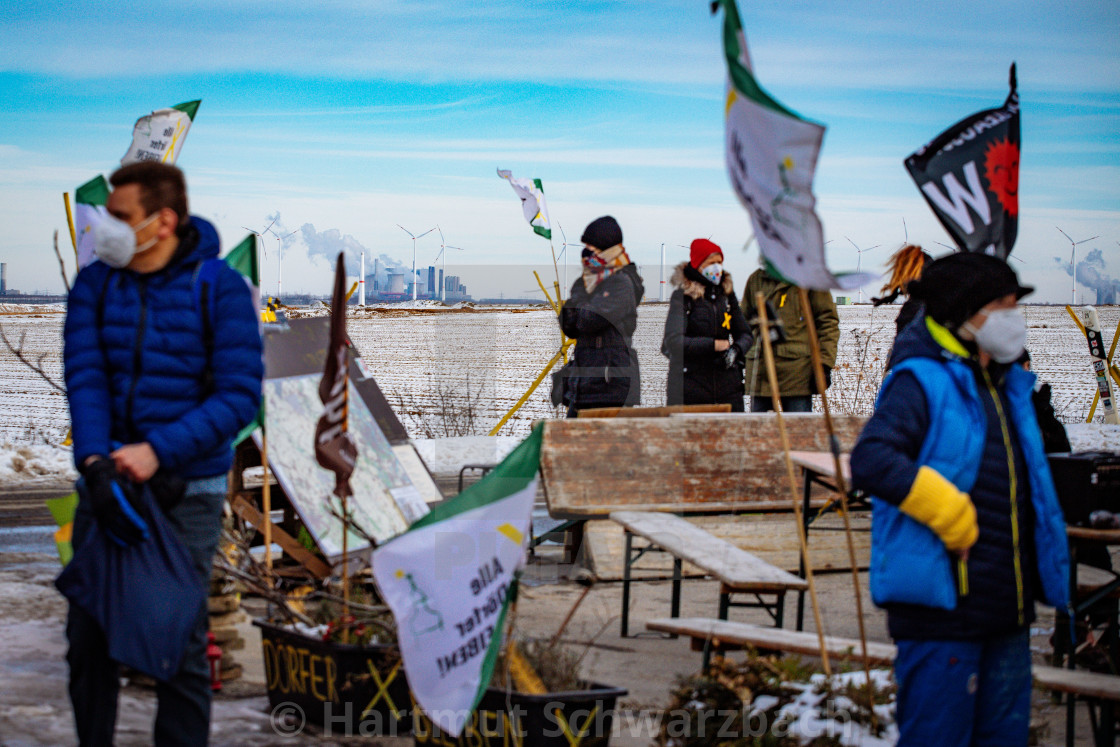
1001	169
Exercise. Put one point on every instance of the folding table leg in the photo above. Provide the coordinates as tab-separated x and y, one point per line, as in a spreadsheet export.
675	603
625	632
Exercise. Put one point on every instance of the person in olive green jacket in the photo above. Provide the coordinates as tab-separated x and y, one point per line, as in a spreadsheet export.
792	358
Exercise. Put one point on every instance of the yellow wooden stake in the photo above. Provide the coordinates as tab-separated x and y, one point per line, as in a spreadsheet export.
772	373
840	482
266	501
70	223
525	679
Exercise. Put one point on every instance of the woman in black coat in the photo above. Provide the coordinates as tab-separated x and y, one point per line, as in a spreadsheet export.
600	315
706	336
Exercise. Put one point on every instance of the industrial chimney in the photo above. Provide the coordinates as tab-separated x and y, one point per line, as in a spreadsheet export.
3	278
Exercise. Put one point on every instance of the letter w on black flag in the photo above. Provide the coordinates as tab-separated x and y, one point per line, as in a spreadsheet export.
969	175
334	447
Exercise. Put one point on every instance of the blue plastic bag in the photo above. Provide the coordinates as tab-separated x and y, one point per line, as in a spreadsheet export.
146	597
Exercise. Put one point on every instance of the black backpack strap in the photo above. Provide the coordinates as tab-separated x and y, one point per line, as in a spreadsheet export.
203	282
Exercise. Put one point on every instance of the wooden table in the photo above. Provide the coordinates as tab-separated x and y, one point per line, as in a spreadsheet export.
1088	586
819	468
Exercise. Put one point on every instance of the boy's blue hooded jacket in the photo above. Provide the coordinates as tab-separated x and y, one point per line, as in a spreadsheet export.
976	428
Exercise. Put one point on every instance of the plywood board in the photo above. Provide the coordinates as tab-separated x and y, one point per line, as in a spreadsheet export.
384	502
716	463
770	537
418	473
300	347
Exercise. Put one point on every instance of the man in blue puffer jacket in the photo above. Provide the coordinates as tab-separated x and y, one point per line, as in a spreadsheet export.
966	529
159	381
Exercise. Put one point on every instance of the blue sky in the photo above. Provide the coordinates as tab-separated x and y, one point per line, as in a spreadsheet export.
350	117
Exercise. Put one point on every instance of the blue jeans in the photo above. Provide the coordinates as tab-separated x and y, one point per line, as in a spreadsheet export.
964	693
795	403
183	714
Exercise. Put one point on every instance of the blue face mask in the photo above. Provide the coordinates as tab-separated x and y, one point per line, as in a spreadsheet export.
713	273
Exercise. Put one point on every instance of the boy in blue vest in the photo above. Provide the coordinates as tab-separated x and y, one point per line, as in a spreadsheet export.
967	532
158	384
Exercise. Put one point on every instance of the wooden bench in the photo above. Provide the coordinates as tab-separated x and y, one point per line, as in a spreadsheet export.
737	570
710	635
1101	691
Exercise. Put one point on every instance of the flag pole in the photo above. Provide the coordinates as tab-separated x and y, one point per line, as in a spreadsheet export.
840	483
70	223
772	373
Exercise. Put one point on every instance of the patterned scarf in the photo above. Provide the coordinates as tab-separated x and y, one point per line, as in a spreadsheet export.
598	267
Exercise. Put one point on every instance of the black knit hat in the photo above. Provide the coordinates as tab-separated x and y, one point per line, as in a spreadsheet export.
955	287
602	233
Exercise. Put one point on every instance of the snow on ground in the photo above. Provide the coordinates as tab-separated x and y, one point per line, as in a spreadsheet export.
446	456
1093	437
24	463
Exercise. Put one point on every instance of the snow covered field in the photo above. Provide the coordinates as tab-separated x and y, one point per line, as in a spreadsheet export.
435	365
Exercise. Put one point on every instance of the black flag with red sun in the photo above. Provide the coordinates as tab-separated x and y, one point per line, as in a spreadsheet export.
969	175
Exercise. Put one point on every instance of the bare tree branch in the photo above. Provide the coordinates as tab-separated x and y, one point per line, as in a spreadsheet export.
61	264
37	367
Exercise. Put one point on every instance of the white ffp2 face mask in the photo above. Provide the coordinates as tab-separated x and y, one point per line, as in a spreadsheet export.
114	241
1003	334
712	273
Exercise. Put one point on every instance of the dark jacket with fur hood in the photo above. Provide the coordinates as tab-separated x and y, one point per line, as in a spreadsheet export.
699	314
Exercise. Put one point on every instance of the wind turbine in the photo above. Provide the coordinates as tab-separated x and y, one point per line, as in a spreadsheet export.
1072	256
661	292
414	237
443	253
859	261
957	249
260	245
279	256
564	244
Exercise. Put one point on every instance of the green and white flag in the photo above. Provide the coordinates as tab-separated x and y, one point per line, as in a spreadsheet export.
243	258
771	157
89	209
531	192
159	136
449	581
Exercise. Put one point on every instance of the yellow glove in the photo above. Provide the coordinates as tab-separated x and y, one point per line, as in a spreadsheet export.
938	504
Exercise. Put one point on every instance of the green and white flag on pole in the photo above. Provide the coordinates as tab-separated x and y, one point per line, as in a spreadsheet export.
771	157
159	136
244	259
449	581
89	208
531	192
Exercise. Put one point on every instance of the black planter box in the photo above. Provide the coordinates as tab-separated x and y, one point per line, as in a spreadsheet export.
582	717
348	690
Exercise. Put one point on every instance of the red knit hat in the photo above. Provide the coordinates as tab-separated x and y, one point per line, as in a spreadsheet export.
701	249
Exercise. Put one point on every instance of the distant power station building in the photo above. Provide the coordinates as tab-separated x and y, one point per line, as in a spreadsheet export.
391	284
